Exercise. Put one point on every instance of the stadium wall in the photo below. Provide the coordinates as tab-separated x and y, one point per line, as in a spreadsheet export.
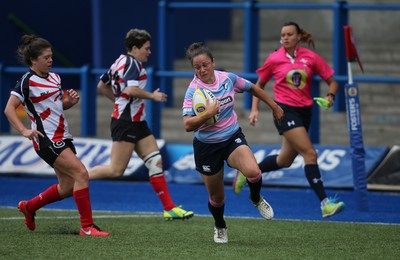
69	26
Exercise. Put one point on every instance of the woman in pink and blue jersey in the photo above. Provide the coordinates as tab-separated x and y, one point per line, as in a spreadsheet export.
224	140
293	67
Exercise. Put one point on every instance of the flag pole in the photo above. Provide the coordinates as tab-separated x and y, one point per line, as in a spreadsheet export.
354	125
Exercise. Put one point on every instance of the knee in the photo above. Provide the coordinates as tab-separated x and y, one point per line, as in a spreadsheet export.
252	172
310	156
82	175
153	162
217	200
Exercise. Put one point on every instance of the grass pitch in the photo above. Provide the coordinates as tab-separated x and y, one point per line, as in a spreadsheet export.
149	236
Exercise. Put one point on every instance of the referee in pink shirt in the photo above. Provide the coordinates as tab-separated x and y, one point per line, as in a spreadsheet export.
293	67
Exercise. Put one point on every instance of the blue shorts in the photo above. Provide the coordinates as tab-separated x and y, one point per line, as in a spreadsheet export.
49	154
210	157
294	117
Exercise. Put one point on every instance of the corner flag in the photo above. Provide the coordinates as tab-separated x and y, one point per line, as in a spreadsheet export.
354	125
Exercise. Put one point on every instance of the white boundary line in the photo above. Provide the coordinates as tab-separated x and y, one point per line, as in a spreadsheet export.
158	215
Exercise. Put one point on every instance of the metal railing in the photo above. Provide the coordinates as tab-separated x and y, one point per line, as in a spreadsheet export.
88	105
165	69
251	44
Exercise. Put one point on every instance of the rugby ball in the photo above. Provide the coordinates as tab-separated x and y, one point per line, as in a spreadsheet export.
199	103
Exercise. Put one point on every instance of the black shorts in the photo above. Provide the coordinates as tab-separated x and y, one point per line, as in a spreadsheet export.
294	117
49	154
210	157
122	130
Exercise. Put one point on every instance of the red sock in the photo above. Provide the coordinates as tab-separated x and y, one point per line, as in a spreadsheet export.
82	200
160	187
48	196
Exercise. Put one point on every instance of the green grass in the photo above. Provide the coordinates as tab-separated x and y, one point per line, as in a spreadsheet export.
135	236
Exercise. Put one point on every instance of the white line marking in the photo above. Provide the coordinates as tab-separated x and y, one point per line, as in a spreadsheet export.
159	215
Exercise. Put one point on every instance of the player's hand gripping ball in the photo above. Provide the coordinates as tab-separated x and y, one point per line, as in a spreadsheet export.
199	103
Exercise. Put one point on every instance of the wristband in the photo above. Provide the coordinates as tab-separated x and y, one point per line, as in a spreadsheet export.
332	95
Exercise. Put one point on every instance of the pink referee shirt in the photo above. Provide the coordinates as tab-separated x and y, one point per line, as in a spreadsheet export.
293	76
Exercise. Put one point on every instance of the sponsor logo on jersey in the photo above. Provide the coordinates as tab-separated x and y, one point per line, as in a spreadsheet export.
296	78
225	101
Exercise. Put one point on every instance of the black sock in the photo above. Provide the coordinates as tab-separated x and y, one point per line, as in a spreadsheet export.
314	179
269	164
218	214
255	189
